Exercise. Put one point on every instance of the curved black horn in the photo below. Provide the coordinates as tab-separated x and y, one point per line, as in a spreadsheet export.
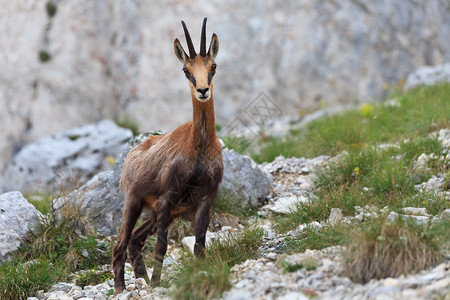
203	40
192	53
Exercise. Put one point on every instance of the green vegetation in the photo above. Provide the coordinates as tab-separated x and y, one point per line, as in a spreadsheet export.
227	204
413	114
93	277
51	8
381	249
318	238
127	122
209	277
44	56
61	245
308	263
42	202
370	176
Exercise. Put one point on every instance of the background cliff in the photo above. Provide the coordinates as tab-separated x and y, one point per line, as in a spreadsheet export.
66	63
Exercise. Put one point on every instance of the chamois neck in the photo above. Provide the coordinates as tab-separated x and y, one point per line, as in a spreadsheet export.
203	122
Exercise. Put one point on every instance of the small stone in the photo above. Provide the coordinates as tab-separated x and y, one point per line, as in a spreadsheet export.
293	296
131	287
143	293
305	170
271	256
110	282
124	296
335	215
445	214
417	211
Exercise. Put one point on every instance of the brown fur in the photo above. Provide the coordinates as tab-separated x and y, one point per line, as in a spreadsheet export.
175	175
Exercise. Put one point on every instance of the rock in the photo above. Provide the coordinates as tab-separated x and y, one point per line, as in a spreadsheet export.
17	219
445	214
244	183
435	183
335	215
65	160
285	205
416	211
420	220
293	296
428	76
99	201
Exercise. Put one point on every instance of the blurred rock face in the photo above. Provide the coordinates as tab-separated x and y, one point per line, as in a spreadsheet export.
81	61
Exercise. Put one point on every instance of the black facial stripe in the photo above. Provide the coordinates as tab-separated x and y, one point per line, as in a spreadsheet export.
210	76
192	79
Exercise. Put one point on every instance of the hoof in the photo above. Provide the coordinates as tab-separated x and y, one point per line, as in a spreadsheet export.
118	290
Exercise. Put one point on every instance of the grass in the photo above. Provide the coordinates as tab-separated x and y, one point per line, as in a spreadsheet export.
318	238
383	249
93	277
227	204
370	176
19	280
59	246
42	202
419	112
208	278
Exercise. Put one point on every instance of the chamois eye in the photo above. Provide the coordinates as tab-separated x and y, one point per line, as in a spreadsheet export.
186	72
213	68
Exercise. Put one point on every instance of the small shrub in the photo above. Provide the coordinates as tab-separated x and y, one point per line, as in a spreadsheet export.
93	277
44	56
51	8
383	249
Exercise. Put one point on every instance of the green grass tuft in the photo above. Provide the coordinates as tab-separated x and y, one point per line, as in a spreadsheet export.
208	278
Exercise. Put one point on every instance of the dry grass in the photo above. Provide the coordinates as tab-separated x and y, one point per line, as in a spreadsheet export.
382	250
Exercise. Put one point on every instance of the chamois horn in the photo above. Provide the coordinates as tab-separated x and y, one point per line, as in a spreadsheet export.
192	53
203	40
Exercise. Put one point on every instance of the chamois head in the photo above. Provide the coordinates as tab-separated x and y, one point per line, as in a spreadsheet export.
199	69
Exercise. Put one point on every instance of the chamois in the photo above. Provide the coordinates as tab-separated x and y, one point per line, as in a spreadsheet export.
175	175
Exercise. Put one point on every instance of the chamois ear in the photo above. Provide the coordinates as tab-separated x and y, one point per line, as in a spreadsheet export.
213	47
179	51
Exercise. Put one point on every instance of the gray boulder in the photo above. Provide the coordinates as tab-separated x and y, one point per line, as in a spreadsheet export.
428	76
17	218
100	200
65	160
244	183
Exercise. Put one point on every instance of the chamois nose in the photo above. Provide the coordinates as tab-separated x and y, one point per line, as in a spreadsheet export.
203	91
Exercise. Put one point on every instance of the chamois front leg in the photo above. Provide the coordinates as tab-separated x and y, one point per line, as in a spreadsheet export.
163	222
201	223
131	212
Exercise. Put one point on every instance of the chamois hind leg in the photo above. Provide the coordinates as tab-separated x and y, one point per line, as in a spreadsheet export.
131	212
136	244
163	221
201	223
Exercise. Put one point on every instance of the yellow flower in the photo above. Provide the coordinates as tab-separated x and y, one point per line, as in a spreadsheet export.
366	110
111	160
356	171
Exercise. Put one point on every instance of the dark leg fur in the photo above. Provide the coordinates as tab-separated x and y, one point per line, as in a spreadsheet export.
163	221
200	227
136	244
130	215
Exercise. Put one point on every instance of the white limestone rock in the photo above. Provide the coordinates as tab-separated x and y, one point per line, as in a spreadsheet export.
17	218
